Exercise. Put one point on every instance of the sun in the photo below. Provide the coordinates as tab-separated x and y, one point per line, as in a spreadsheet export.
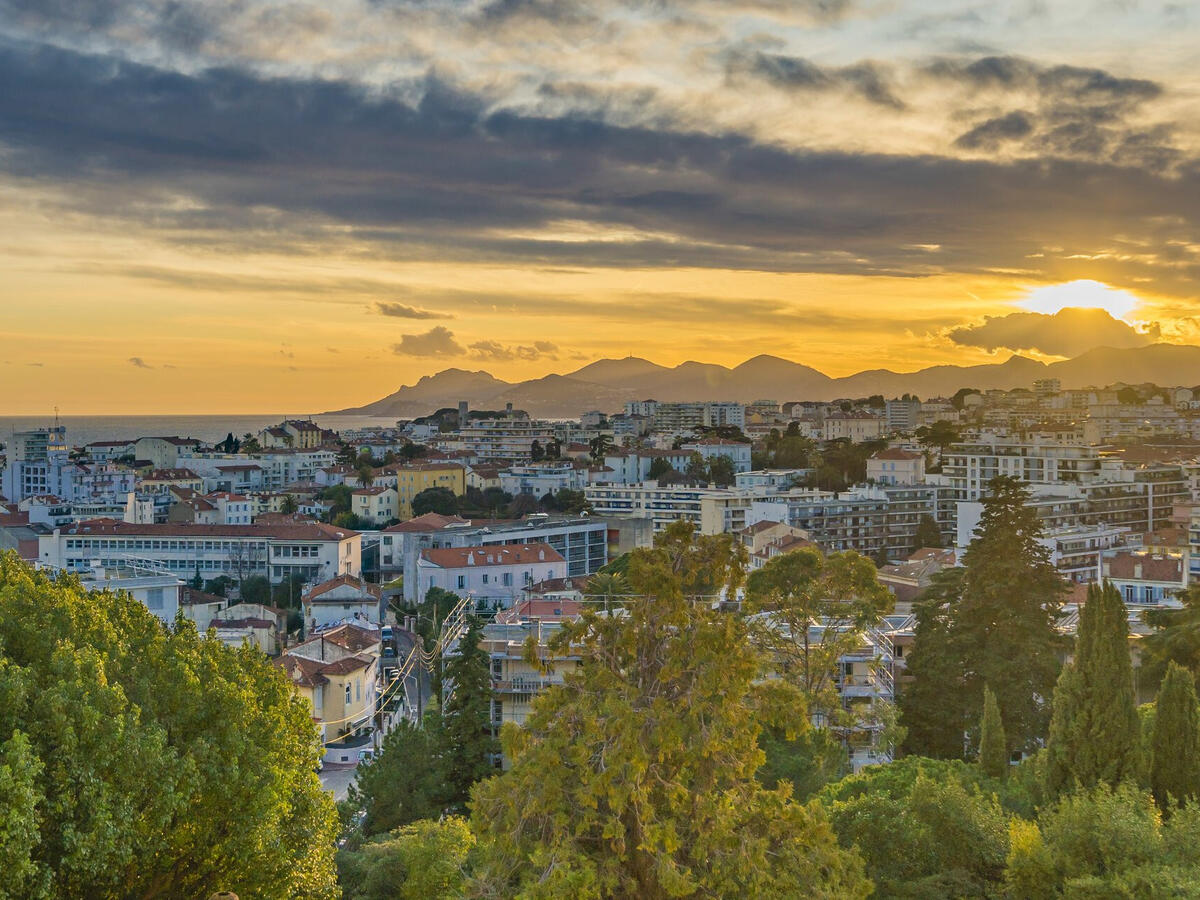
1082	294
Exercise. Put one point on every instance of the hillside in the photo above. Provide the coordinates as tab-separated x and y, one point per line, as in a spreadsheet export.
608	383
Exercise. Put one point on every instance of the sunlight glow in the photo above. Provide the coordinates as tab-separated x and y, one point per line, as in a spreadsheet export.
1082	294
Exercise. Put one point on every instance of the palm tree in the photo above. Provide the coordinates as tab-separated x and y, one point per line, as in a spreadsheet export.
609	586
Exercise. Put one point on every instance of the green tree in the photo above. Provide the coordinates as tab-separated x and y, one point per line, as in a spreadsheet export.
928	533
405	781
993	746
635	778
1095	735
796	590
438	500
992	622
365	471
608	588
807	761
940	435
1176	637
659	466
426	860
470	748
250	445
197	582
158	763
1175	748
536	451
936	840
721	471
599	446
697	469
255	589
288	505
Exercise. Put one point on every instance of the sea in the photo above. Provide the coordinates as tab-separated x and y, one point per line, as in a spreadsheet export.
86	429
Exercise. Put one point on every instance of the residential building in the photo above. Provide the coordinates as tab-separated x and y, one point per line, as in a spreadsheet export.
1154	578
305	550
852	426
902	414
895	466
342	599
539	479
711	510
377	505
164	452
494	575
336	671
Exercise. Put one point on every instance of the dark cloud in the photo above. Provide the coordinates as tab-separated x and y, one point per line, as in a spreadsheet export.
310	166
1069	332
1074	112
437	341
402	311
867	79
989	134
138	363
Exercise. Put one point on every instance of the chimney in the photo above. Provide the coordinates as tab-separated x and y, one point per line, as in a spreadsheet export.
1137	570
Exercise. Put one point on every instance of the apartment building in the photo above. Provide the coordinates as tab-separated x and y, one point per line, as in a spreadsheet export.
539	479
710	510
495	574
309	551
852	426
375	504
412	479
709	449
581	540
508	439
896	466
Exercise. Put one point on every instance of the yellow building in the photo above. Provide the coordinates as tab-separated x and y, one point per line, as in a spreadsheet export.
337	673
411	480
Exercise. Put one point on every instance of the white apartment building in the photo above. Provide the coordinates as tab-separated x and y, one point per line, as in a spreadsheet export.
495	574
895	466
853	426
376	504
310	551
510	439
711	510
539	479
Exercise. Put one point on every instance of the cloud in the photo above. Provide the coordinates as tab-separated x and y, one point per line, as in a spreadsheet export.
991	133
437	341
494	351
401	311
138	363
1068	332
866	79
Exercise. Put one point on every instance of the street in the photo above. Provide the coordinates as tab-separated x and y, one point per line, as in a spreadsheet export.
337	780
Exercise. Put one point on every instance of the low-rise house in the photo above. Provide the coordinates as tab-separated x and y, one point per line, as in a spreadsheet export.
337	671
375	504
342	599
895	466
1146	578
201	608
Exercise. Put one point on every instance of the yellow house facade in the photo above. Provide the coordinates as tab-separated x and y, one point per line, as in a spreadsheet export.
411	480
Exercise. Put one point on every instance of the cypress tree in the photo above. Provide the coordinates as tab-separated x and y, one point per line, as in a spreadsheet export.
467	716
993	746
1175	750
1094	731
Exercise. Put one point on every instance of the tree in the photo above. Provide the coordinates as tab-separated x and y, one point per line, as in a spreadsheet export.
599	447
423	861
288	505
1175	749
928	533
255	589
659	467
697	469
140	761
365	472
1129	396
940	435
793	591
1176	637
522	505
720	471
440	500
250	445
404	781
608	588
536	452
992	622
470	748
635	778
1095	735
197	582
993	746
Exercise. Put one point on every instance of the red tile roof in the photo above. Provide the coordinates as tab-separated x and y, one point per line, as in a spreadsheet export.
493	555
343	581
896	453
427	522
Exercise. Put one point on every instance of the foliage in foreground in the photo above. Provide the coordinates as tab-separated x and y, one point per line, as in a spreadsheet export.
146	762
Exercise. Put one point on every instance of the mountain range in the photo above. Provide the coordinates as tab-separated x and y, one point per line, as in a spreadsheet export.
608	383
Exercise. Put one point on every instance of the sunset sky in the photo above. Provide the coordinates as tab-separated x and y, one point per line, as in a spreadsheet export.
252	206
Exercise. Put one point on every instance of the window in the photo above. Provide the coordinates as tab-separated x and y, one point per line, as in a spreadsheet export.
462	582
154	598
357	688
347	692
507	579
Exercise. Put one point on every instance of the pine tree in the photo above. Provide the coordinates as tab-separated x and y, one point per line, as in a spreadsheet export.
993	746
1095	731
470	747
928	533
1175	750
992	623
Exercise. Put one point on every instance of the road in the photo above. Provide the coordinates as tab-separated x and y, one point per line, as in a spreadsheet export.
338	781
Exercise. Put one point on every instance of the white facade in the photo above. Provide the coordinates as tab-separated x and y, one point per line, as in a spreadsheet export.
738	453
496	573
537	480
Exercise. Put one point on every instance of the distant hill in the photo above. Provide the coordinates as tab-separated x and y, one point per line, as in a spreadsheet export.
608	383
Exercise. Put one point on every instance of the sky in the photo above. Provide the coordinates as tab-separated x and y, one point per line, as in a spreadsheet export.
248	206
